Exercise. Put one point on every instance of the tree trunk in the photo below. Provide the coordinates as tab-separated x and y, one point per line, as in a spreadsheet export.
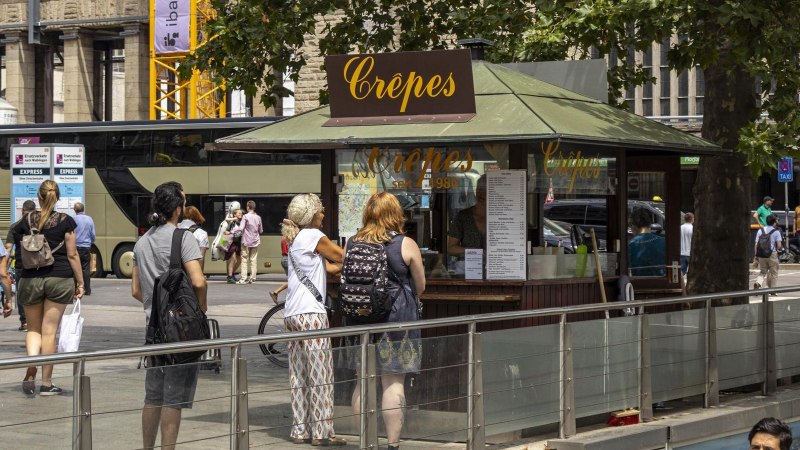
723	188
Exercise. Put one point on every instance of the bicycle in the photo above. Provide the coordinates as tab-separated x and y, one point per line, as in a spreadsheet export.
271	323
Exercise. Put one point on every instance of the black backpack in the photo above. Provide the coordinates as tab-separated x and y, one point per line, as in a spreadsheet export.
176	315
764	245
365	289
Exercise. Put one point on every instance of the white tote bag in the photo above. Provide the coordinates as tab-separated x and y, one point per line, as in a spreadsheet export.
69	334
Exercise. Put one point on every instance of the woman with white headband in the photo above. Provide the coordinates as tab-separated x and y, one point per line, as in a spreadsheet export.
311	256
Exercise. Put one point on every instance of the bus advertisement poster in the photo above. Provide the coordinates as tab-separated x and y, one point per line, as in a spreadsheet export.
68	172
30	165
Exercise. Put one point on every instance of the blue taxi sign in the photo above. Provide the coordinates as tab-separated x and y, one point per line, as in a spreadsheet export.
785	170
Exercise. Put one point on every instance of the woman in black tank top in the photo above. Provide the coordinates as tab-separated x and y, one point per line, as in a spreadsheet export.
398	352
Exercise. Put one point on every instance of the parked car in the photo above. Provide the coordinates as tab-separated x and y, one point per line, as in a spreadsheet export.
563	234
592	213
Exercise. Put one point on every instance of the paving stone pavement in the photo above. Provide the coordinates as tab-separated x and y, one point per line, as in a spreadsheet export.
113	319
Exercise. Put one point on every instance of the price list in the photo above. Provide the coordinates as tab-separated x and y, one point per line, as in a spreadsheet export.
505	225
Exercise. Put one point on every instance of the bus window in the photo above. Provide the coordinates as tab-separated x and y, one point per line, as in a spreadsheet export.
271	208
129	149
184	148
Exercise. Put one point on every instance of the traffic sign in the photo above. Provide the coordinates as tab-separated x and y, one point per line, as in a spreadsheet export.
785	170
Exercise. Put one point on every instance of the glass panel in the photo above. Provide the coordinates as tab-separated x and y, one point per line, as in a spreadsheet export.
180	148
646	243
129	149
787	337
124	395
440	190
520	382
677	354
740	354
432	372
606	365
34	421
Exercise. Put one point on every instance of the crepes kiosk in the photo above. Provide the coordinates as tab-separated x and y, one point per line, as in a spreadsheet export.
502	177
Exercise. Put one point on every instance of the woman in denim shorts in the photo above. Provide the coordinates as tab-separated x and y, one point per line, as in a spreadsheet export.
46	291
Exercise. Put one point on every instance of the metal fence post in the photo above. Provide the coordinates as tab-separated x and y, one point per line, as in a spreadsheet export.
234	415
243	416
770	386
566	426
645	376
362	394
711	397
476	432
86	413
372	400
76	403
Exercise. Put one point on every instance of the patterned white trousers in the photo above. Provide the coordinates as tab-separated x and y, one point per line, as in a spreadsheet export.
310	379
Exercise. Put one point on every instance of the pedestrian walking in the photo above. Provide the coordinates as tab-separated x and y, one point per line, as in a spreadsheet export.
168	389
398	352
193	221
233	255
687	229
764	211
84	238
47	289
285	264
251	229
311	255
12	244
768	243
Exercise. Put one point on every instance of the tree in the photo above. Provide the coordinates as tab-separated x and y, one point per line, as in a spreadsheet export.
748	52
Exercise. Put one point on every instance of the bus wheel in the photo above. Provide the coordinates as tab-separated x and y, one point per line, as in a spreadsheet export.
122	262
99	272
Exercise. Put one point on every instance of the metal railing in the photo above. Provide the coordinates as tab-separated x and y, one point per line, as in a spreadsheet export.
476	426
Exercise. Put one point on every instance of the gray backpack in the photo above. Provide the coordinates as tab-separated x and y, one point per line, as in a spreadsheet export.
36	252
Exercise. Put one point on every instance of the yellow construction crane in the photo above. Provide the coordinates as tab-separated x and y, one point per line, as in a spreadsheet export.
175	32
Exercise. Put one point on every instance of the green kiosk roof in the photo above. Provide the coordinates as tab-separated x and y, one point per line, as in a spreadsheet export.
510	106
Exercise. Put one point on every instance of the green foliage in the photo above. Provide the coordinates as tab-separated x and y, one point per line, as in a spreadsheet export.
759	37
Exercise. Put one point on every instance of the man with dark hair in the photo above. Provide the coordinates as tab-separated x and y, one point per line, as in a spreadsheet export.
11	242
770	434
769	265
764	211
168	389
84	238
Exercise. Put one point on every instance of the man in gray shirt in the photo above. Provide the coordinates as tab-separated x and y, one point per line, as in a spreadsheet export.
168	389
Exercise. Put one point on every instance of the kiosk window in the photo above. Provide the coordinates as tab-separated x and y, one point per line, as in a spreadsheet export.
441	192
646	239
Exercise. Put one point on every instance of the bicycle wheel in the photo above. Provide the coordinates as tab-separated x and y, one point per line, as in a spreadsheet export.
272	323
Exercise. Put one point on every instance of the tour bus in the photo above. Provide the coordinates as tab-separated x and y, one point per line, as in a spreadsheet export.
125	161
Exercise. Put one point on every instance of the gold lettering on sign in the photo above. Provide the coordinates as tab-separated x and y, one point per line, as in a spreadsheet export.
419	161
573	165
357	72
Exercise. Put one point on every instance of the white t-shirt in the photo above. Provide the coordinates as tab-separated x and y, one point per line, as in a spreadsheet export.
199	234
686	239
299	299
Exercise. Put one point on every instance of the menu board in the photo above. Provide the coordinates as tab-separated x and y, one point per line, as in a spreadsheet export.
505	225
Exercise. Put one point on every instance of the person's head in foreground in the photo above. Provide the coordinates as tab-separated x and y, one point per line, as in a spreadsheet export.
770	434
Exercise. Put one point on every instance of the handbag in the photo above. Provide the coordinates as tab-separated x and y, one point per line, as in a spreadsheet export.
69	333
308	284
225	242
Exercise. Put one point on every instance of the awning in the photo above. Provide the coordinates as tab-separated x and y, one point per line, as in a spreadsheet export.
511	107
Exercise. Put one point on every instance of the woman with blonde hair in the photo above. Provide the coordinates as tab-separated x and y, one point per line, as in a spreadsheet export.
398	352
311	255
46	291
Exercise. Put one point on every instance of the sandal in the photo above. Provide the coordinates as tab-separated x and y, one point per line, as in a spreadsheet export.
274	296
330	442
29	382
301	440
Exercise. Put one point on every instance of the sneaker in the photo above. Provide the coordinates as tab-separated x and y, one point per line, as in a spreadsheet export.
242	281
50	390
23	326
231	280
756	285
251	280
